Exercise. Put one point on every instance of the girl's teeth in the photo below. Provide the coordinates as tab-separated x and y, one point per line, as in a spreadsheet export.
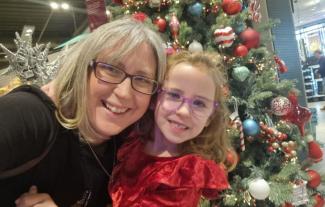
180	126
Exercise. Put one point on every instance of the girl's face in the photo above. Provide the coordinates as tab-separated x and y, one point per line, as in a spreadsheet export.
181	119
114	107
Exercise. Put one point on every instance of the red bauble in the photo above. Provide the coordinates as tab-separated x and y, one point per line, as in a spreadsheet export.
314	151
319	200
250	38
231	158
140	16
298	115
231	7
287	205
161	24
314	178
240	51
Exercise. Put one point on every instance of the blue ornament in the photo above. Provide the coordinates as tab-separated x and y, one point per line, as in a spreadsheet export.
250	127
195	9
240	27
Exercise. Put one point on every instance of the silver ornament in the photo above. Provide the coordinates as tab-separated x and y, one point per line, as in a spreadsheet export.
30	63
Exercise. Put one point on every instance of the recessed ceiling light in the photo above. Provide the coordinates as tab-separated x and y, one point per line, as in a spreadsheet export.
65	6
54	5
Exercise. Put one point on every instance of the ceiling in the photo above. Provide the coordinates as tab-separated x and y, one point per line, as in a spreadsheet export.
308	11
61	26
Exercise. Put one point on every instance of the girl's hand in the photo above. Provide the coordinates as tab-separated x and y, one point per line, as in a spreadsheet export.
34	199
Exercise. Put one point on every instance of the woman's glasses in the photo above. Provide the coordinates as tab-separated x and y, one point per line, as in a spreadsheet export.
112	74
200	107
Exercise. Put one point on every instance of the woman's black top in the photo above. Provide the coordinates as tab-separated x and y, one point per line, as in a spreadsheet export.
69	172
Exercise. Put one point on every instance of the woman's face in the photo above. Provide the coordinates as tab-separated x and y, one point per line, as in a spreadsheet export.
114	107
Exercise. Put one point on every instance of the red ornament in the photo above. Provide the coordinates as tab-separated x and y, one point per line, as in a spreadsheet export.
314	178
319	200
140	16
287	205
224	37
250	38
282	68
231	7
231	158
240	51
174	26
120	2
161	24
314	151
298	115
215	9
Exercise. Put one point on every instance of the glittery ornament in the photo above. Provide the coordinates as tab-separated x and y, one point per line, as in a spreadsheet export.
174	26
140	16
224	37
280	106
30	63
298	115
314	150
299	193
254	10
240	73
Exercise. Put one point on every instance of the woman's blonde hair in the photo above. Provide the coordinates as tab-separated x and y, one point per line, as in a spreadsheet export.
212	142
122	36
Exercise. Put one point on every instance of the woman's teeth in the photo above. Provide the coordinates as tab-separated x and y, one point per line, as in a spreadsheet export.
115	109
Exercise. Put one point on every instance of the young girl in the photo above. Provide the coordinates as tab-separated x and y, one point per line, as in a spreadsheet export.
176	163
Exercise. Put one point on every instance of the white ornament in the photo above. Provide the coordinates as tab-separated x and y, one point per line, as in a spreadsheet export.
195	46
154	3
280	106
259	189
224	37
299	193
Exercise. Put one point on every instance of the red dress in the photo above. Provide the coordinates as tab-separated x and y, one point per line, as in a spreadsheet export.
141	180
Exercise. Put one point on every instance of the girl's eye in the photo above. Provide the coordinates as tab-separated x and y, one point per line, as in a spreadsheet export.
173	95
199	103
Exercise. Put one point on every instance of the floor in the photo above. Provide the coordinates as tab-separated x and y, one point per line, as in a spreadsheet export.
320	135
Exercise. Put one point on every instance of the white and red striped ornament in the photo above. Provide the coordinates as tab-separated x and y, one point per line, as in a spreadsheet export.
224	37
239	126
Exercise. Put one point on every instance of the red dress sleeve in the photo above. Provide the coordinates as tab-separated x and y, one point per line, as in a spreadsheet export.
147	181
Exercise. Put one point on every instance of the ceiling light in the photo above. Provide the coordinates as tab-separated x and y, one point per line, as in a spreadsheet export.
316	1
54	5
65	6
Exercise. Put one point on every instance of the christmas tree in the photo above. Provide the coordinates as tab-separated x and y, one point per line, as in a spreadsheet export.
267	124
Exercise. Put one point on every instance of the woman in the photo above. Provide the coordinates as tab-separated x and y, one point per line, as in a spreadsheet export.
103	87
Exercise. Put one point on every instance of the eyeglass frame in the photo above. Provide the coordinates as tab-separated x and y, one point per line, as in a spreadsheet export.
93	64
188	100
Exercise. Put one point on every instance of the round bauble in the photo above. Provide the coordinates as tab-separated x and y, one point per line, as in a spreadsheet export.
280	106
259	189
195	46
251	127
319	201
231	7
240	73
314	151
161	24
195	9
314	179
240	51
250	38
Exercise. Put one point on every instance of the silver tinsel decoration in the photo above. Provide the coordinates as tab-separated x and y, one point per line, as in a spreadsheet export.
30	63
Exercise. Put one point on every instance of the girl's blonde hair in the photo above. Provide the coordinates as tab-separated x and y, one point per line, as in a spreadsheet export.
212	142
71	84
